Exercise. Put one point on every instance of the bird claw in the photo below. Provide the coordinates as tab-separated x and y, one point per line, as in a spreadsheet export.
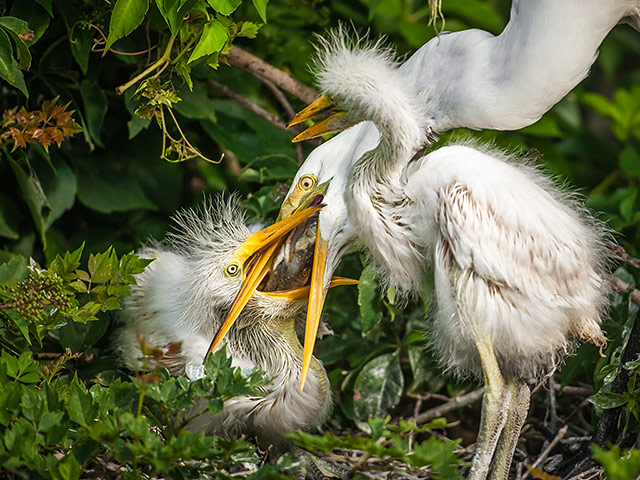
313	467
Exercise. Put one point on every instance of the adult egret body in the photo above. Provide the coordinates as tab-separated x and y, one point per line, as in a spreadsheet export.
518	265
184	295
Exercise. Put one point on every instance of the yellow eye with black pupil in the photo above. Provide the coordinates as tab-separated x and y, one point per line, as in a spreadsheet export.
307	182
232	270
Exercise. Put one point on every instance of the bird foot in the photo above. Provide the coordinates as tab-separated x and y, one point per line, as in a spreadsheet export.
313	467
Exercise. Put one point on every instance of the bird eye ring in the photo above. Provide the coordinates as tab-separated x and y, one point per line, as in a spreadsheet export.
232	270
307	182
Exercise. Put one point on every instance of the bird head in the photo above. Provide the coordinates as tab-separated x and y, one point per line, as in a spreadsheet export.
275	264
362	80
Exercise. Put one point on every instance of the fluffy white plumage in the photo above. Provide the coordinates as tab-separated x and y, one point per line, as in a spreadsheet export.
183	296
518	264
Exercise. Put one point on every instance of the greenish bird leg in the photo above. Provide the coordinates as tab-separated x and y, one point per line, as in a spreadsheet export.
495	405
518	409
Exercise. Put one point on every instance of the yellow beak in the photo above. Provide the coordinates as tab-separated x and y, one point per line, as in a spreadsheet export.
258	249
317	296
321	105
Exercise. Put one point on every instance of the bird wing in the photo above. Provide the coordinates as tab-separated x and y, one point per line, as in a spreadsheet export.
504	223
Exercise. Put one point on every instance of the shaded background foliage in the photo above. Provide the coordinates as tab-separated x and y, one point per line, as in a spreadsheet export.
109	185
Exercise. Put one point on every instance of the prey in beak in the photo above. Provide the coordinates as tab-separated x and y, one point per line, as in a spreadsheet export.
324	106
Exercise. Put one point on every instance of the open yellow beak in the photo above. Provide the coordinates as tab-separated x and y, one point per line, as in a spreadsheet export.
317	296
321	105
259	250
269	235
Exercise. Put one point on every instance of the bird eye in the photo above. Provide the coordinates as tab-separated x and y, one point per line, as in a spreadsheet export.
307	182
232	270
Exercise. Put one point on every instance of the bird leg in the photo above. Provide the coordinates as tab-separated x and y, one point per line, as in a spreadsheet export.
518	409
495	404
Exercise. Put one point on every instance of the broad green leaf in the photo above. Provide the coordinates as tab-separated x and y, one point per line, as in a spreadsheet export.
225	7
14	270
81	40
80	406
95	107
629	161
378	386
47	5
9	66
606	400
261	7
14	24
127	15
108	192
618	464
174	12
35	15
33	195
367	299
214	37
373	5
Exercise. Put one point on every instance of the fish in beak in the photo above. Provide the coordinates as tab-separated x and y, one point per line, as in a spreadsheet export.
322	106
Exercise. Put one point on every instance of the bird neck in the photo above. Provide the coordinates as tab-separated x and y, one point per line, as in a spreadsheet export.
274	347
376	205
509	81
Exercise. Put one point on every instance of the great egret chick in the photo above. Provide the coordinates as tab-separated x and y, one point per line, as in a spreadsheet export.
184	296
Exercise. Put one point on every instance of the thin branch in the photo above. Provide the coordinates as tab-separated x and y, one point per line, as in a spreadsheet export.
256	66
453	404
162	62
561	433
622	254
622	287
258	110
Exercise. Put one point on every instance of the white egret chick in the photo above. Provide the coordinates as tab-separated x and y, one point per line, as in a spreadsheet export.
184	296
518	265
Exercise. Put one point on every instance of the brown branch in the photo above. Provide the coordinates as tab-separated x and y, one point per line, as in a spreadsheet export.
561	433
622	287
453	404
240	58
245	102
622	254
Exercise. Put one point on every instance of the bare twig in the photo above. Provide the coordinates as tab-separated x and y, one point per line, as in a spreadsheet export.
622	287
553	412
258	110
256	66
561	433
622	254
452	404
579	391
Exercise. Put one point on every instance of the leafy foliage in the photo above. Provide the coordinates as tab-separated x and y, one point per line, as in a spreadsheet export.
139	81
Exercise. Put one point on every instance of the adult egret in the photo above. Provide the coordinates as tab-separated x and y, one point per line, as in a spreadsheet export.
518	264
184	295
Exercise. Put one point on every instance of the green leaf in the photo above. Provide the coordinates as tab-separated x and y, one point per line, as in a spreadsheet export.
174	11
214	37
81	41
261	7
373	5
606	400
629	161
33	195
367	299
47	5
95	107
14	270
618	464
15	27
9	66
127	15
69	468
225	7
80	406
378	386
